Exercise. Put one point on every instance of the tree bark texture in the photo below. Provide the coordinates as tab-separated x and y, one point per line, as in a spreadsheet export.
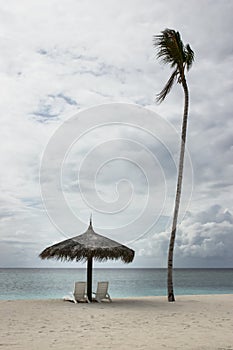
170	291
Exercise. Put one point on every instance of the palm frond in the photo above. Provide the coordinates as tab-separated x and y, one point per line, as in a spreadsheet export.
170	47
171	50
162	95
189	56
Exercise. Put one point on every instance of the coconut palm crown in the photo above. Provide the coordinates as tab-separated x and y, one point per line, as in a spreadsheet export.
172	51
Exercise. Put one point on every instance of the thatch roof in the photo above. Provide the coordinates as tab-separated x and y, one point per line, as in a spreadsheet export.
88	245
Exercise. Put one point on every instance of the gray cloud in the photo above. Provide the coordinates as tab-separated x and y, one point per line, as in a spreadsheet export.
204	235
56	60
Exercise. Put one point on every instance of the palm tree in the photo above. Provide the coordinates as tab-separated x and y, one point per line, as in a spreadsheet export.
172	51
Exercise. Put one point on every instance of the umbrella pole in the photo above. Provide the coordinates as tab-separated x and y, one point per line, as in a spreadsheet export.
89	279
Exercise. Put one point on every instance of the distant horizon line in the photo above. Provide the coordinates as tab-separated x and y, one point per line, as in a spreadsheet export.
118	268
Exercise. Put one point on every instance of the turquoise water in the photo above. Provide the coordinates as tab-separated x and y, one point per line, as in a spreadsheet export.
57	283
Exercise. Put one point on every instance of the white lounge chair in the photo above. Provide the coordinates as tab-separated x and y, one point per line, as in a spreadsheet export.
79	293
102	292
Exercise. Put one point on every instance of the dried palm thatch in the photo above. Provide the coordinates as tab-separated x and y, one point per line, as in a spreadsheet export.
88	246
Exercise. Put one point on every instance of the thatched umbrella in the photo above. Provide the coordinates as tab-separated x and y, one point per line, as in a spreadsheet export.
85	247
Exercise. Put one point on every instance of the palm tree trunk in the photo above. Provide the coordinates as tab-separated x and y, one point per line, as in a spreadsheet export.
170	291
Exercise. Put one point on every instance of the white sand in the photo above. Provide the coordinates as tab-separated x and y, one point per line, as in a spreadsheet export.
192	322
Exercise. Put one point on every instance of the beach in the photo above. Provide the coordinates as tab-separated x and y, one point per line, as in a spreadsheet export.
192	322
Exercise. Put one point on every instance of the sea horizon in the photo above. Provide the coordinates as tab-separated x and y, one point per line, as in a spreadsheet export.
53	283
120	268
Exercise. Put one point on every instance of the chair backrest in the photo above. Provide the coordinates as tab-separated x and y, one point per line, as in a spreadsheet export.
102	290
79	290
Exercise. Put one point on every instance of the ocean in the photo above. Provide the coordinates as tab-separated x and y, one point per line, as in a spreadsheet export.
44	283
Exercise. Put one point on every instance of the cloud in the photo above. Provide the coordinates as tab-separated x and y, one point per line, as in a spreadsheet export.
204	235
207	234
57	59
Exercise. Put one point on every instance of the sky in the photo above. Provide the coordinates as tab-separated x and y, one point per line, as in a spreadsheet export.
81	132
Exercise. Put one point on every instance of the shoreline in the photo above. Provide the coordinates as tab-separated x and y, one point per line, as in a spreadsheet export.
179	296
123	297
192	322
